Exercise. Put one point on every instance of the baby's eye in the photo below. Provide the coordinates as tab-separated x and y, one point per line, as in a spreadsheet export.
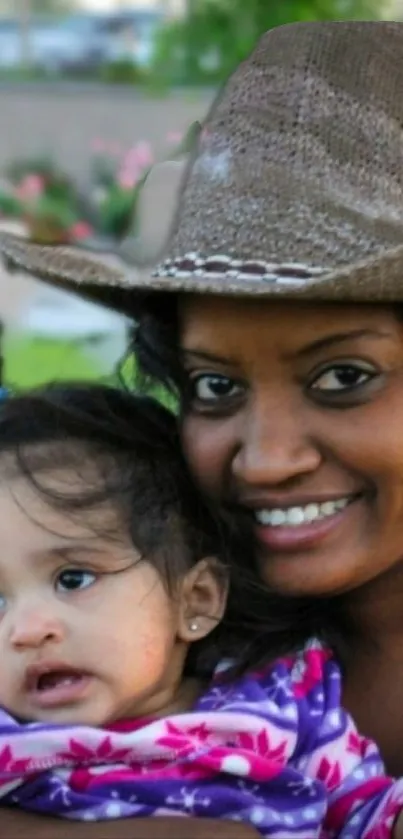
212	387
3	604
74	580
342	377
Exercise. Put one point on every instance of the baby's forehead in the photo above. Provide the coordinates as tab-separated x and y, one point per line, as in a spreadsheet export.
37	538
62	501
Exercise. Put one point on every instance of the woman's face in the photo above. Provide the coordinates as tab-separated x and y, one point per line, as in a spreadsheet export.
295	413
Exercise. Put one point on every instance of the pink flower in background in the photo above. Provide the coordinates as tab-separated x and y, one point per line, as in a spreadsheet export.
98	145
127	179
80	230
142	154
174	137
112	168
134	164
30	187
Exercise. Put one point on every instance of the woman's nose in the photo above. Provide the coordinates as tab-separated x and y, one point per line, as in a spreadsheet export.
274	447
33	627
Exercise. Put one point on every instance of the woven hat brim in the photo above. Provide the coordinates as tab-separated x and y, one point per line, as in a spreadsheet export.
108	280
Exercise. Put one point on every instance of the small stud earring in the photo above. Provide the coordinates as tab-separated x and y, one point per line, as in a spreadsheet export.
193	626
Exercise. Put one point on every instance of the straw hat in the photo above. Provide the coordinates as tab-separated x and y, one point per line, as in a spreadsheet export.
295	187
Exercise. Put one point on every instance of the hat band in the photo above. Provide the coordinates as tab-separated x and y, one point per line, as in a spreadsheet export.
225	267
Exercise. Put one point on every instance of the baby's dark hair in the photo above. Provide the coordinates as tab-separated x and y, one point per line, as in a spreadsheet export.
139	469
125	452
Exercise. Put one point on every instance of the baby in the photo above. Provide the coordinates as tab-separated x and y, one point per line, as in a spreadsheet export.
132	627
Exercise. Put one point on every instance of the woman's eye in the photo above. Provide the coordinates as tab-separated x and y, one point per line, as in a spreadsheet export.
211	388
74	580
342	377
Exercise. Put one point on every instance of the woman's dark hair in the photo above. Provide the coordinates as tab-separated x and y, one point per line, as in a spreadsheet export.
134	445
155	344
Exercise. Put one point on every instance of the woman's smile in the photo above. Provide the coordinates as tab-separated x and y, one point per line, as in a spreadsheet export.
290	529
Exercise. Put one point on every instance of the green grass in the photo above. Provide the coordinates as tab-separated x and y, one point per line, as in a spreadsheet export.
29	362
33	361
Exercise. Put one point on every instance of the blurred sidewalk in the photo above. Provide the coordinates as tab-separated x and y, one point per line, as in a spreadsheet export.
65	119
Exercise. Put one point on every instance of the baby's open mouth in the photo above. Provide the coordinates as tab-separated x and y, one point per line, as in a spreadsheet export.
47	681
50	686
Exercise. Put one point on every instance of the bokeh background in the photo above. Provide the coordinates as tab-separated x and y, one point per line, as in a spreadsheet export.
92	93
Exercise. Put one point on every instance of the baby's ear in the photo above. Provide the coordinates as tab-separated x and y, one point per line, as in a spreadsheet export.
203	599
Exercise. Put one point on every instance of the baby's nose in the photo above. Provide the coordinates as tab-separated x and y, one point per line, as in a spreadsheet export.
33	627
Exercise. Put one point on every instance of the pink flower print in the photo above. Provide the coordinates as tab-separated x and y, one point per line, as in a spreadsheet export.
106	752
329	773
11	767
260	745
202	732
266	760
358	745
307	671
179	742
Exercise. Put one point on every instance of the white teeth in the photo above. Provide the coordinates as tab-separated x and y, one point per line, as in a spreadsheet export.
295	516
311	512
278	517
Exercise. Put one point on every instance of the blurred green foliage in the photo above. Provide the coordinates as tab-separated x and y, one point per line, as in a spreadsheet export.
122	71
207	44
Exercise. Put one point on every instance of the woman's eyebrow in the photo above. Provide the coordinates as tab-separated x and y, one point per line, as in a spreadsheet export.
206	356
340	338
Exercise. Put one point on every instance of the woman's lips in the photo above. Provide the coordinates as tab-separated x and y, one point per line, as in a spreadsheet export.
299	531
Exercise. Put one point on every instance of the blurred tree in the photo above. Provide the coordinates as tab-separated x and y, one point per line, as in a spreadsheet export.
53	7
215	35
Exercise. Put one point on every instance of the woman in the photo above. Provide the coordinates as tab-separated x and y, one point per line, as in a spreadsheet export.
276	317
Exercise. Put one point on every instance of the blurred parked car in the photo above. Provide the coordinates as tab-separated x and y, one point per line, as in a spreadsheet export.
130	35
71	44
81	42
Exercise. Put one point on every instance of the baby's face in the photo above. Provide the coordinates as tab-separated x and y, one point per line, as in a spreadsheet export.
88	633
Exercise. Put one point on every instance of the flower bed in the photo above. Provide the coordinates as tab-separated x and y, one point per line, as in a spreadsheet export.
58	210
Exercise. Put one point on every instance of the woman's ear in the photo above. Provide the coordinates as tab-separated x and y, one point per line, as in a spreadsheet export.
203	599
